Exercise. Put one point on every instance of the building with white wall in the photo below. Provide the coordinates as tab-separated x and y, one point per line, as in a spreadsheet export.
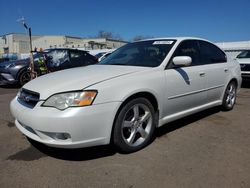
99	43
17	43
234	48
56	41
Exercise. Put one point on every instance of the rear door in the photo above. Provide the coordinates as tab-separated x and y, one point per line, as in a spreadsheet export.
216	68
185	85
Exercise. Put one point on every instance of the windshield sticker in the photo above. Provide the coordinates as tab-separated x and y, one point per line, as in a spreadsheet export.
163	42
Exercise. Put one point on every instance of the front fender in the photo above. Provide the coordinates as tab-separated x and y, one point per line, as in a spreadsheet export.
121	88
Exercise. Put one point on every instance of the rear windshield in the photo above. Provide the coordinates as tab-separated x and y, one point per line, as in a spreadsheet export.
145	53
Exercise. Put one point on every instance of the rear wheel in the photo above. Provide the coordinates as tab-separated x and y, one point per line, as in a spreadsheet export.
24	77
229	96
134	125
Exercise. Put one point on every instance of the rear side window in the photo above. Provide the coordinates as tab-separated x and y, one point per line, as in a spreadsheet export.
81	58
211	54
90	59
189	48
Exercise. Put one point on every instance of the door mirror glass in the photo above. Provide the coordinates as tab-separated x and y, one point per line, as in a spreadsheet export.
182	60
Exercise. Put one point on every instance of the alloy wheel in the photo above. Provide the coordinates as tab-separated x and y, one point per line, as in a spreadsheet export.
230	95
137	124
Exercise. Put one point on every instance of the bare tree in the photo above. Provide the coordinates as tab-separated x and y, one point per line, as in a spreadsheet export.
104	34
108	34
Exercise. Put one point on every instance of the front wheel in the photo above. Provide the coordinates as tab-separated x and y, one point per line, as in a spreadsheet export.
134	125
229	98
24	77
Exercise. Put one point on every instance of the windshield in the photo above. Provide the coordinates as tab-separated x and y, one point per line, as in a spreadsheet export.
244	54
146	53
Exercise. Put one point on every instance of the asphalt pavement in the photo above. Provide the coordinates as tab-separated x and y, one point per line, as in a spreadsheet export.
208	149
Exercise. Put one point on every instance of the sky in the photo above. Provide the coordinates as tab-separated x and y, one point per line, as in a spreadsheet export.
215	20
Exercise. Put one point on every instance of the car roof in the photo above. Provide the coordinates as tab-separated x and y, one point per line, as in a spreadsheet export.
51	49
176	38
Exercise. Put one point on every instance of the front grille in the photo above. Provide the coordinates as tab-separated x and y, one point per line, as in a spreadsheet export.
28	98
245	67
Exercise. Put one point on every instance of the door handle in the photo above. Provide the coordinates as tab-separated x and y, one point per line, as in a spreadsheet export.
202	74
226	70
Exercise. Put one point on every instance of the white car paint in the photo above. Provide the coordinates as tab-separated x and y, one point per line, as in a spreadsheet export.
178	94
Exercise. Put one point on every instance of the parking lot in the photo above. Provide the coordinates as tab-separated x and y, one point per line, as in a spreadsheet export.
208	149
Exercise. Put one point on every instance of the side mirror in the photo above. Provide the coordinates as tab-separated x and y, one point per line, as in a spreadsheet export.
182	60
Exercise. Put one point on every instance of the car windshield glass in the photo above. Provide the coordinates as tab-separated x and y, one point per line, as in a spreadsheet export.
145	53
244	54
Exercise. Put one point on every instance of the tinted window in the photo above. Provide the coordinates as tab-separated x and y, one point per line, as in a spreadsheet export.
211	53
189	48
75	55
76	58
244	54
89	59
146	53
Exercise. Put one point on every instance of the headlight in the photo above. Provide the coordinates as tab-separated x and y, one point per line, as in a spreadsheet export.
62	101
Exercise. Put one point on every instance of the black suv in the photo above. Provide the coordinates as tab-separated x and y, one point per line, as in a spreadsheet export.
17	72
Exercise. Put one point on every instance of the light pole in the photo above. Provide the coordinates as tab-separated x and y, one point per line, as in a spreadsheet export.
33	74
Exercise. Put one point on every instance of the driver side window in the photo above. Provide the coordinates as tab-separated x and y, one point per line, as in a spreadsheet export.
188	48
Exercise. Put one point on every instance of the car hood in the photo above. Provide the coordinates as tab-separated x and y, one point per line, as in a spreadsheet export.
77	78
243	60
16	62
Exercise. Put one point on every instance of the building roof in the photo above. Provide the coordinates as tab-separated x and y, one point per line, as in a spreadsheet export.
240	45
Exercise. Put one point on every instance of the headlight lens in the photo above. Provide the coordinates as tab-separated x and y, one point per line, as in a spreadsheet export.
72	99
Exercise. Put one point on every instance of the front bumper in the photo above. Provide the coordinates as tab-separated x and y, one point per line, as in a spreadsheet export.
83	126
245	75
6	78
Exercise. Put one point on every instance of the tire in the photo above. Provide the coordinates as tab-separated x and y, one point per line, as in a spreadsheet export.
229	98
24	77
134	125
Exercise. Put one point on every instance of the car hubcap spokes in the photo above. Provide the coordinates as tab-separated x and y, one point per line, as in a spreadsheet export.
137	125
25	78
231	92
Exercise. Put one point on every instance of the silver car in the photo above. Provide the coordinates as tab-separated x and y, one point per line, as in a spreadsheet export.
122	100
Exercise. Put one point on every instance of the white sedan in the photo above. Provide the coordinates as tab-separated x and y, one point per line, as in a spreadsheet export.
141	86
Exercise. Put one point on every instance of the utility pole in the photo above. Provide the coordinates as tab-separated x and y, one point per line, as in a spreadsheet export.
33	74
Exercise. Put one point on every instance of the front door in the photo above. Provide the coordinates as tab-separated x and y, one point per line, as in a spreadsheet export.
184	85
